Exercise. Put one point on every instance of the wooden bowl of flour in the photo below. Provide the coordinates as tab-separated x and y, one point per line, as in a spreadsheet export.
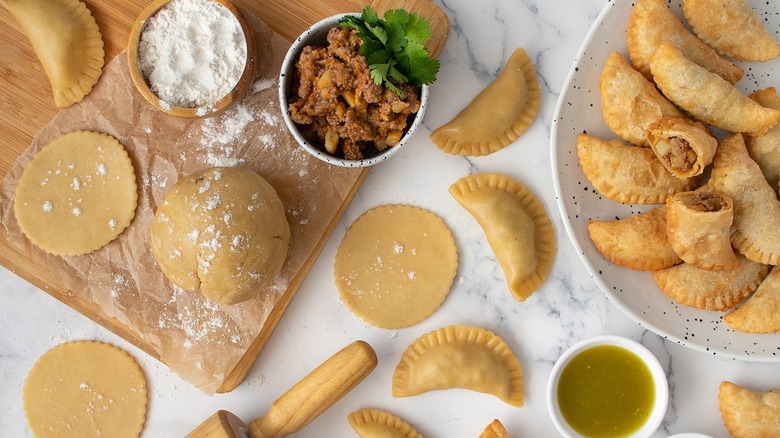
191	58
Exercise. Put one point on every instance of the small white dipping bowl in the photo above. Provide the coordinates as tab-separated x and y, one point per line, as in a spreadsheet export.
656	371
316	35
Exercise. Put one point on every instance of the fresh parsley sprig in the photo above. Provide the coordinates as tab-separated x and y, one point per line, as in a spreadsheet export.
393	47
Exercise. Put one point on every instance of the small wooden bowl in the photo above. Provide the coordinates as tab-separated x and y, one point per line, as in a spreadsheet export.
141	84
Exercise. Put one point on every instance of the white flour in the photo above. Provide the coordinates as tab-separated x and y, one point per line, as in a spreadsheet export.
192	52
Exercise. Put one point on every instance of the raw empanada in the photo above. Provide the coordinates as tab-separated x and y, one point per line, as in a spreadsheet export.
637	242
756	229
707	96
761	312
732	28
516	226
748	413
495	430
460	357
498	115
625	173
684	146
711	290
765	149
652	23
629	102
66	40
698	225
375	423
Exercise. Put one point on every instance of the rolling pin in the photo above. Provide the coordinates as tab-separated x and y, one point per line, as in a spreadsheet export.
302	403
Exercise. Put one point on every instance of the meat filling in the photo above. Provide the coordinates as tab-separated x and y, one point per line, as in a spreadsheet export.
681	156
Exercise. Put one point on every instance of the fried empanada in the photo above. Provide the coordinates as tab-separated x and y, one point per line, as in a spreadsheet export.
637	242
375	423
627	174
460	357
748	413
629	102
761	312
707	96
756	229
516	226
685	147
66	40
765	149
732	28
698	225
498	115
495	430
652	23
711	290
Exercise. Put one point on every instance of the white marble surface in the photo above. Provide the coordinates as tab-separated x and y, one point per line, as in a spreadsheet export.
568	307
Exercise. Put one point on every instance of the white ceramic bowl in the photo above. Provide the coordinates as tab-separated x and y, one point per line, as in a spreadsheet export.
317	35
659	379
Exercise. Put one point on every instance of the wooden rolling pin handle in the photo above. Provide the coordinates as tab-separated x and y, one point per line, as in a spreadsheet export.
318	391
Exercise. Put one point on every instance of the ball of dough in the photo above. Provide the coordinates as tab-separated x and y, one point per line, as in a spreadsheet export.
222	231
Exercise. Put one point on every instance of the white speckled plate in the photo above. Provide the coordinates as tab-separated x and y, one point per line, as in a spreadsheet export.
635	293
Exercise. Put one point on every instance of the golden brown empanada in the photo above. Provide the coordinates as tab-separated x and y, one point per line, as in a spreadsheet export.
732	28
629	102
756	229
495	430
698	225
627	174
516	226
375	423
748	413
711	290
707	96
761	312
460	357
66	40
765	149
651	23
498	115
637	242
685	147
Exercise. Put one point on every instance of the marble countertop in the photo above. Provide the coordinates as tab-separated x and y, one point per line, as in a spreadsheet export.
568	308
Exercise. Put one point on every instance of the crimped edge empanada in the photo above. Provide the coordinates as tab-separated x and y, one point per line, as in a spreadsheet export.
637	242
480	195
460	356
761	312
748	413
627	174
685	147
495	430
376	423
498	115
765	149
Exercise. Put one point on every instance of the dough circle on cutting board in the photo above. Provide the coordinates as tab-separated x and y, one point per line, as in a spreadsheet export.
77	194
85	389
395	265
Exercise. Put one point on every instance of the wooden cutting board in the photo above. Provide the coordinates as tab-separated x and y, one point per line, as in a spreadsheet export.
27	106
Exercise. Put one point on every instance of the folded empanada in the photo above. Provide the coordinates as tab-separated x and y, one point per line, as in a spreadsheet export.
748	413
711	290
376	423
627	174
685	147
756	229
629	102
637	242
698	225
652	23
765	149
732	28
495	430
761	312
707	96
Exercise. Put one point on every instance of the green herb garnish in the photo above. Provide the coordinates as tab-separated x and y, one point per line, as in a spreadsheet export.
393	47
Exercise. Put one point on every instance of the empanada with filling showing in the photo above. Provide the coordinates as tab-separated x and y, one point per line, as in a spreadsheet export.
749	413
685	147
376	423
460	356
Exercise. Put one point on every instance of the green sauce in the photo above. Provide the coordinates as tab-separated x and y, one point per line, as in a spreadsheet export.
606	391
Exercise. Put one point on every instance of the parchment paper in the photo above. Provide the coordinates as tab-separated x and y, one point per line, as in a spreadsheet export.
199	340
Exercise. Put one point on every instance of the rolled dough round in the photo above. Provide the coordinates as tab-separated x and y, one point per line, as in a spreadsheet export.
396	265
85	389
222	231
